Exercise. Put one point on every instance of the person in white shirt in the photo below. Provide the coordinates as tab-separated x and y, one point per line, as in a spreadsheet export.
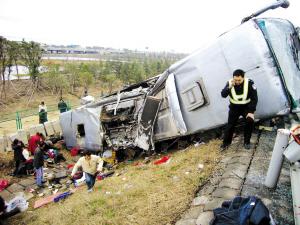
42	106
43	113
29	161
91	165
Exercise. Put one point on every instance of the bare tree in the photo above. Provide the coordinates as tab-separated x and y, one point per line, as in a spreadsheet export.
32	55
3	64
13	49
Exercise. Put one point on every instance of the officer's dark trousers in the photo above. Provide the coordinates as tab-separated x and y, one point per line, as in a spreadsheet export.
233	117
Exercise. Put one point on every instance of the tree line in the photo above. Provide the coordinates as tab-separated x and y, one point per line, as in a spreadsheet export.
67	76
13	53
107	74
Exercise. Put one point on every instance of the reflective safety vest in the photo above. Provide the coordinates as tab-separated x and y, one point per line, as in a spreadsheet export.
242	98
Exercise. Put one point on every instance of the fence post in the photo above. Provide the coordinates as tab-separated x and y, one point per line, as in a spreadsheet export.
68	105
18	121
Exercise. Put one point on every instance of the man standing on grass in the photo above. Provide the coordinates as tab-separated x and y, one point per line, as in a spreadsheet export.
43	113
62	106
91	165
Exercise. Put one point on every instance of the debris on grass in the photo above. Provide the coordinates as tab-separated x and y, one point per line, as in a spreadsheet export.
162	160
200	166
149	194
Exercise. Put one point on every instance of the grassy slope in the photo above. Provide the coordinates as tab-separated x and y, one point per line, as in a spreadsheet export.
21	104
145	194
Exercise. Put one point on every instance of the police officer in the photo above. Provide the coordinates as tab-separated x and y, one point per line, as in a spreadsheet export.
243	100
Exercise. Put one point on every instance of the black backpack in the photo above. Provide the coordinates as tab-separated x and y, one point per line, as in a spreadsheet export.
242	211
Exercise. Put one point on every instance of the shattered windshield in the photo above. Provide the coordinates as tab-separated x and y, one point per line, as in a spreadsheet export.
284	41
295	47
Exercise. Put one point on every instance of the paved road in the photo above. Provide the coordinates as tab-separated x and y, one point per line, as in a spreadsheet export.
242	172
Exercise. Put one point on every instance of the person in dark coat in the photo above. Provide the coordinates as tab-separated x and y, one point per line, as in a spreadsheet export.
20	160
38	163
62	106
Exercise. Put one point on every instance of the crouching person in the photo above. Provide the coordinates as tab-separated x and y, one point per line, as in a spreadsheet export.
91	166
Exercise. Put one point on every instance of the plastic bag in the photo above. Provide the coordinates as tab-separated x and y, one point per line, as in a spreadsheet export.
17	202
80	181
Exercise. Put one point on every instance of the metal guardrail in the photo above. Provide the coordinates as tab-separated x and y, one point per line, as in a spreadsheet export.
19	115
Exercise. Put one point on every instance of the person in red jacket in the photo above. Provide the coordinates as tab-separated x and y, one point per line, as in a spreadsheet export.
33	140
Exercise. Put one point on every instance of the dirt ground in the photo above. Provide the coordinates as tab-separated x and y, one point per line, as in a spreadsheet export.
7	166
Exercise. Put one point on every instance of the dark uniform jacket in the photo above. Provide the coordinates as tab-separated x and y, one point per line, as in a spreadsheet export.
252	94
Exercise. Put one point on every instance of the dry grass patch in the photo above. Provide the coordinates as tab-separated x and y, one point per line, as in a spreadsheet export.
142	194
7	166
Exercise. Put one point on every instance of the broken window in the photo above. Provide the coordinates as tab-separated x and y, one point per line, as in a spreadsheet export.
119	121
195	96
144	137
80	130
295	47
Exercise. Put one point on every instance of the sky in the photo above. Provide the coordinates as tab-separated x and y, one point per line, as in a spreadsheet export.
151	25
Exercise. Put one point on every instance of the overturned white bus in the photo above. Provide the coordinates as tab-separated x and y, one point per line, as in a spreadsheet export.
186	98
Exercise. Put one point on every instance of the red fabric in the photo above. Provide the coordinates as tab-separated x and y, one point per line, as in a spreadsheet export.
162	160
74	151
29	161
51	155
296	136
78	175
3	184
99	177
70	166
32	143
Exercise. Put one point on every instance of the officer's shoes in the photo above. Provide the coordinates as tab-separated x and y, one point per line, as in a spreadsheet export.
247	146
223	147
